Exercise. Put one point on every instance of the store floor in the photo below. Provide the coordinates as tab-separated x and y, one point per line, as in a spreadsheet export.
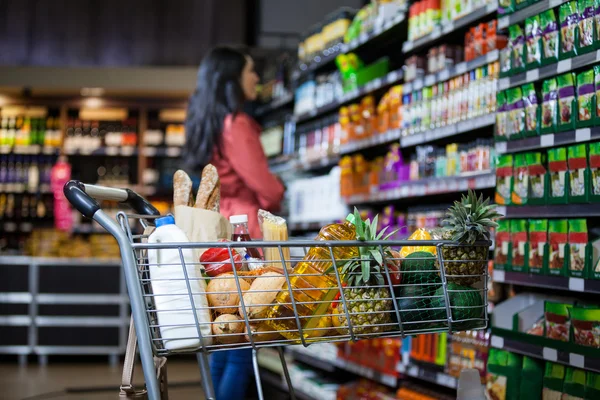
35	382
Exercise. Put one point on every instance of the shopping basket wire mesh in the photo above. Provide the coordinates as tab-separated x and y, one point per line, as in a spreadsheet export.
311	301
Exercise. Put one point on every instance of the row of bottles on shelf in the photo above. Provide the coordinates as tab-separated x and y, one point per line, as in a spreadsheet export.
319	140
26	131
25	173
173	135
114	173
87	136
24	208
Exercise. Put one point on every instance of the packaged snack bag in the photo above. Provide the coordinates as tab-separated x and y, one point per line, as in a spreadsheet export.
533	41
553	381
567	103
558	323
586	98
558	236
586	326
597	90
537	192
502	249
549	118
538	246
518	238
586	10
549	37
503	378
578	174
383	113
520	180
516	113
369	120
532	110
502	117
504	179
578	248
517	44
568	17
595	171
505	62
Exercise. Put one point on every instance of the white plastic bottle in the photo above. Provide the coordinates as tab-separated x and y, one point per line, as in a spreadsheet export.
171	296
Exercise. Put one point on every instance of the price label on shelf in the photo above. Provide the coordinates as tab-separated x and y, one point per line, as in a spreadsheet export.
583	135
404	191
532	75
463	184
429	80
501	147
112	151
497	342
577	360
491	56
363	38
503	22
418	84
413	371
127	150
576	284
444	75
563	66
173	151
461	68
377	83
503	83
149	151
550	354
499	276
547	140
555	3
392	77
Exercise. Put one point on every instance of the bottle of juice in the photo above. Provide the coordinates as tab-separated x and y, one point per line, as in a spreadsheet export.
312	283
239	225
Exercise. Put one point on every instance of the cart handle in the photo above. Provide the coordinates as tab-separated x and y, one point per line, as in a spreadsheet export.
83	198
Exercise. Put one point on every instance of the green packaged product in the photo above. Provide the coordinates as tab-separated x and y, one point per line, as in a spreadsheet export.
520	4
597	91
549	37
586	98
558	236
504	179
533	42
501	117
578	248
519	245
516	113
502	248
532	110
520	180
574	385
554	378
532	378
568	17
592	386
579	174
586	10
557	325
538	246
558	169
506	7
595	171
597	20
517	45
586	326
504	370
549	106
567	102
505	63
537	192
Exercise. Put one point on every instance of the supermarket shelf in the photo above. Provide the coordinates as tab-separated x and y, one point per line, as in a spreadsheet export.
549	70
521	15
57	261
125	151
578	360
317	164
329	58
419	138
468	19
549	140
448	73
14	227
17	349
389	79
428	375
281	102
360	370
278	382
80	321
551	211
426	187
170	151
545	281
29	150
449	130
78	350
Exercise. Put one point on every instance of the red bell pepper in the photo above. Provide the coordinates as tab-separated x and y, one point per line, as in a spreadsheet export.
216	261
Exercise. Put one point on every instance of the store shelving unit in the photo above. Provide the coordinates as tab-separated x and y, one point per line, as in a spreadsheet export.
552	211
549	282
519	16
281	102
580	135
56	312
428	375
459	23
448	130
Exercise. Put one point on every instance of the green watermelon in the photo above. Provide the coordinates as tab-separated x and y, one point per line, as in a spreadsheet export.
466	304
416	262
419	309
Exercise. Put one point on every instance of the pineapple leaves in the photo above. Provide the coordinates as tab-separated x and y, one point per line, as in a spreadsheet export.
468	219
377	256
365	269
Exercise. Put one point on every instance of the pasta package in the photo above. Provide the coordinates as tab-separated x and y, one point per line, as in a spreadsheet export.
274	228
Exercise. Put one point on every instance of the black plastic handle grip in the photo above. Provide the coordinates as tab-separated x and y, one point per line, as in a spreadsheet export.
75	192
84	203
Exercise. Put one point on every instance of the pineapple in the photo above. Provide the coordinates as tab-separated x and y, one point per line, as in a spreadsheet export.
467	222
369	307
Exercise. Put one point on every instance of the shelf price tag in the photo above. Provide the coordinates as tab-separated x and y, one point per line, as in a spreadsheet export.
576	284
563	66
429	80
583	135
461	68
550	354
392	76
577	360
499	276
497	342
444	75
501	147
547	140
532	75
503	22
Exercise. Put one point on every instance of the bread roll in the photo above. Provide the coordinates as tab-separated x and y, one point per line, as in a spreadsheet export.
208	185
182	188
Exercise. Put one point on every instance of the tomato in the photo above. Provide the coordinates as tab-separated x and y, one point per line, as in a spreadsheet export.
216	261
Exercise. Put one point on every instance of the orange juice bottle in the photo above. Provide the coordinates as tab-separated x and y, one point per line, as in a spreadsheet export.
383	114
346	176
369	121
396	107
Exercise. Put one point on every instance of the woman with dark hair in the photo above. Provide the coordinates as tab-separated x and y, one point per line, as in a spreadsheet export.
220	133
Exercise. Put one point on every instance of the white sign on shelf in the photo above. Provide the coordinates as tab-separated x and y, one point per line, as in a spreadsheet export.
547	140
532	75
461	68
501	147
444	75
583	135
497	342
499	276
563	66
577	360
503	22
576	284
550	354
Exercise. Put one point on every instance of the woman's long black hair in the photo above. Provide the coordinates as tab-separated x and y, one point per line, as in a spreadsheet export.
218	93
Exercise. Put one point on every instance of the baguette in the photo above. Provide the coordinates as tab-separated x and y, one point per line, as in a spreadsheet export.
208	185
214	201
182	188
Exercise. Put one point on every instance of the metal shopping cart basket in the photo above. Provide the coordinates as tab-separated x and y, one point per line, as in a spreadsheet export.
315	292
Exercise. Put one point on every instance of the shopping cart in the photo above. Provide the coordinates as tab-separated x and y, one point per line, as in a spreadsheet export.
300	298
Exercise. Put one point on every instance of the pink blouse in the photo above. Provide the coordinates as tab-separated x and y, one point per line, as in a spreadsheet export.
246	182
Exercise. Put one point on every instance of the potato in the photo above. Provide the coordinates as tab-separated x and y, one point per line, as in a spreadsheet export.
262	292
222	292
228	324
261	333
